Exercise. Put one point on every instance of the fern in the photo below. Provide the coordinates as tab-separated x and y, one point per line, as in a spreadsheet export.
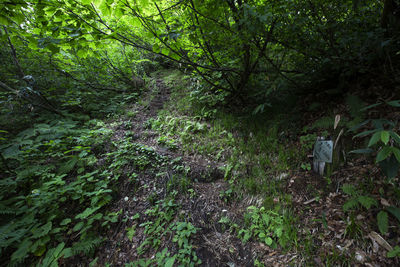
356	198
52	255
367	202
86	246
349	190
352	203
323	123
7	210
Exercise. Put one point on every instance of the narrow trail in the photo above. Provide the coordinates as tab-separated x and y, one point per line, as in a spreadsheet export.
214	243
204	208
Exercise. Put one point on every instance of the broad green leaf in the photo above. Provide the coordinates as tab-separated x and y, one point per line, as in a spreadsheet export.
105	8
52	256
78	226
169	262
65	221
395	211
383	154
40	251
4	20
67	253
385	137
86	213
268	241
165	51
396	153
383	223
374	139
395	137
395	252
86	2
156	48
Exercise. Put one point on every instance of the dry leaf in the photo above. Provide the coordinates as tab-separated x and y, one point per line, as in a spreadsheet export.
337	120
384	202
379	239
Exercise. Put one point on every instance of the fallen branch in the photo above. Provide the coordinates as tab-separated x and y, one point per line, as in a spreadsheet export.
16	92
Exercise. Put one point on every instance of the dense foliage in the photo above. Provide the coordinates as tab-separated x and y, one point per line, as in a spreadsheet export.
272	46
68	65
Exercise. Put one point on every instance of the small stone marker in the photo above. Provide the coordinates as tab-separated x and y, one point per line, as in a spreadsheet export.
323	151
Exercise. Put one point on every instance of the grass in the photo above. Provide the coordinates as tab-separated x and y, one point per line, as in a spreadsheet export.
256	159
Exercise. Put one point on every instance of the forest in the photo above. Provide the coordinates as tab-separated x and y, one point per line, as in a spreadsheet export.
189	133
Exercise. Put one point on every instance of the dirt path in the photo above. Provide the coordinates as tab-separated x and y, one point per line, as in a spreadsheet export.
215	242
203	208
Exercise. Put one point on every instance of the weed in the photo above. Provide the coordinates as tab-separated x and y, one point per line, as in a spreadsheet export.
356	198
226	195
268	227
353	229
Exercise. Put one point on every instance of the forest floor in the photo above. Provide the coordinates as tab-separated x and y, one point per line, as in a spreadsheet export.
188	207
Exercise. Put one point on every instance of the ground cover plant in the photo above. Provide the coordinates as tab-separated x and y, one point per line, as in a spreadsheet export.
181	133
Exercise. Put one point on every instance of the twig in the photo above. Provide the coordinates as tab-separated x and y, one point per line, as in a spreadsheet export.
14	55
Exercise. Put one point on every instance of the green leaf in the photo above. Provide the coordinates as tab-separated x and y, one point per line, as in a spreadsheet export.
40	251
4	20
362	151
86	2
68	166
156	48
22	251
42	231
268	241
370	106
65	222
169	262
383	223
374	139
349	189
67	253
390	166
78	226
11	152
395	137
395	211
385	137
395	252
396	153
383	154
367	202
365	133
358	126
165	51
52	256
394	103
352	203
86	213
